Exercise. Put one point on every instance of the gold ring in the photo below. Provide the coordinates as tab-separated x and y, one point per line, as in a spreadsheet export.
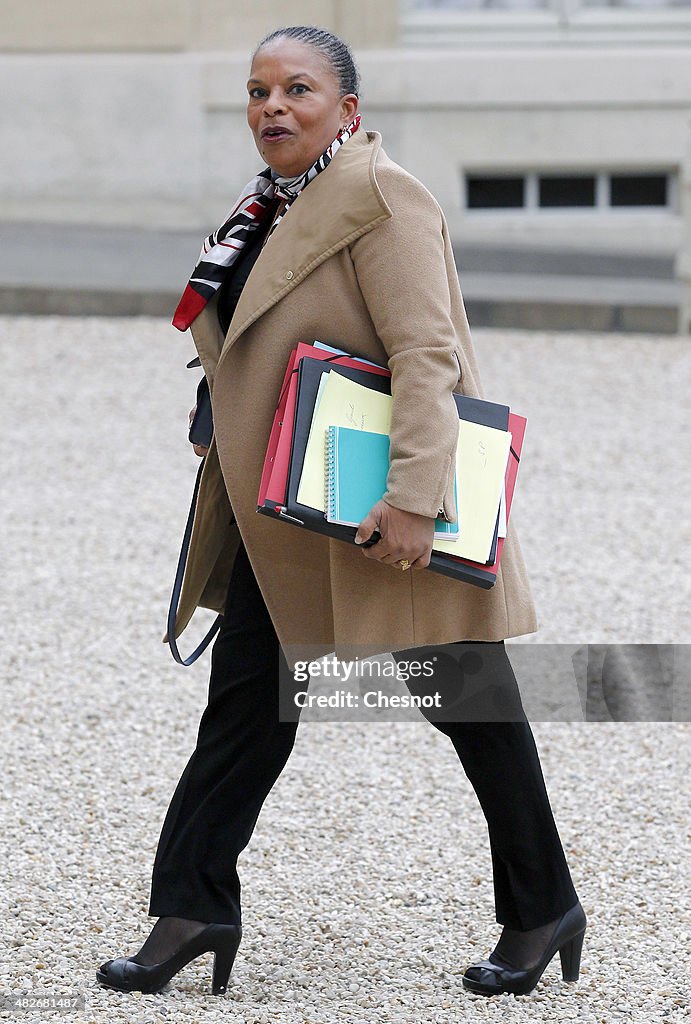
404	564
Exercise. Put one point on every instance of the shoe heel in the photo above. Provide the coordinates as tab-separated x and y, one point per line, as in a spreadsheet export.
570	955
224	957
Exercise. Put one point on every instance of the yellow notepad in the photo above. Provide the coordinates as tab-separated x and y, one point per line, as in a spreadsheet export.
343	403
481	455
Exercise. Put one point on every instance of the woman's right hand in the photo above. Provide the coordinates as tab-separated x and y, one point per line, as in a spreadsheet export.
199	449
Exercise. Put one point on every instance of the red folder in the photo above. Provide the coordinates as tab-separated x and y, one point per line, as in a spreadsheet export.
276	428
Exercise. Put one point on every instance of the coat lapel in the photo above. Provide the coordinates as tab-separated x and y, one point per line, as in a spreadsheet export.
338	206
208	337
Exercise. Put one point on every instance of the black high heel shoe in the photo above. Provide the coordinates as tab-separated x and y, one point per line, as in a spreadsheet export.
221	939
488	978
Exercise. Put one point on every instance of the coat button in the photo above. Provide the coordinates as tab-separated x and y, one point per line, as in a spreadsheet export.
289	275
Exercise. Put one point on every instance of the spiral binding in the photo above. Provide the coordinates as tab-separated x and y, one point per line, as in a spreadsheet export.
330	472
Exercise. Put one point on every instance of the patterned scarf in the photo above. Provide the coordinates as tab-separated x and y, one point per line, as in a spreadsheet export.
221	249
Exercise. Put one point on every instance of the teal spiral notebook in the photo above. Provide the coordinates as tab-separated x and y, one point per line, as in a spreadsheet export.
357	463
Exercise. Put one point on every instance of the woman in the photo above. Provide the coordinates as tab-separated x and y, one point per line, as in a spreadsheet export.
345	246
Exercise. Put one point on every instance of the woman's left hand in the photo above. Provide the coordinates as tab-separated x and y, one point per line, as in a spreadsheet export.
199	449
404	535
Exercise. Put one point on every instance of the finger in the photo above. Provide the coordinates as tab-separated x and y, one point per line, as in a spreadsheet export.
394	555
200	450
366	528
386	550
377	555
382	552
422	561
392	558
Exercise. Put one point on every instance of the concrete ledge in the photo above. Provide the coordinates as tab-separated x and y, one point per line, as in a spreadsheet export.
565	316
84	302
85	270
535	315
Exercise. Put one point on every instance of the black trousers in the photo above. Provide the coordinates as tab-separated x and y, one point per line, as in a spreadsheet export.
242	747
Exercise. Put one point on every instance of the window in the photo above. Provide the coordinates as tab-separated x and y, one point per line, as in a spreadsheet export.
544	22
517	5
635	3
558	190
474	5
484	193
598	190
638	190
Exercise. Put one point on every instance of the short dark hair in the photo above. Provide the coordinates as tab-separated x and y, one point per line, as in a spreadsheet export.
336	51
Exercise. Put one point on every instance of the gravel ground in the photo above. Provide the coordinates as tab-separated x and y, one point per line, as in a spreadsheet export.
344	920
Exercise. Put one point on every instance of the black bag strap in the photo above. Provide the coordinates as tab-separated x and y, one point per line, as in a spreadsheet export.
177	587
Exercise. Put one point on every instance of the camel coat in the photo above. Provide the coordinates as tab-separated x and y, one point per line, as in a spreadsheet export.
363	261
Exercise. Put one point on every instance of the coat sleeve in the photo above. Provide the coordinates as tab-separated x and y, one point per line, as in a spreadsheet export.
402	274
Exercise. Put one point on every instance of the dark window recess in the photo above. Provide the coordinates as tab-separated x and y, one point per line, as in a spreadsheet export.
560	190
638	190
495	192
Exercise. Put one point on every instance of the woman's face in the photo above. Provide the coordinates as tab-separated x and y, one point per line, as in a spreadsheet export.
294	109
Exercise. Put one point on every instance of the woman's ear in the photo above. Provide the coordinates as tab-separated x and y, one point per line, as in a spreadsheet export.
349	105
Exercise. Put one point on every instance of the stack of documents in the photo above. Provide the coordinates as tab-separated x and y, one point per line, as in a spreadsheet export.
328	457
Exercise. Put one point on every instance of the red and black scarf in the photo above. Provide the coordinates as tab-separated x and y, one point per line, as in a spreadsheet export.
221	249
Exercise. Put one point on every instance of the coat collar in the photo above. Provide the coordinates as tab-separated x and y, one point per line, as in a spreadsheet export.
341	204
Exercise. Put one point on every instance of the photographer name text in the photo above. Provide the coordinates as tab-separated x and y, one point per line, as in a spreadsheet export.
368	699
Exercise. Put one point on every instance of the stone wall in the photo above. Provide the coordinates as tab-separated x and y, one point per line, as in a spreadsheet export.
133	112
73	26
